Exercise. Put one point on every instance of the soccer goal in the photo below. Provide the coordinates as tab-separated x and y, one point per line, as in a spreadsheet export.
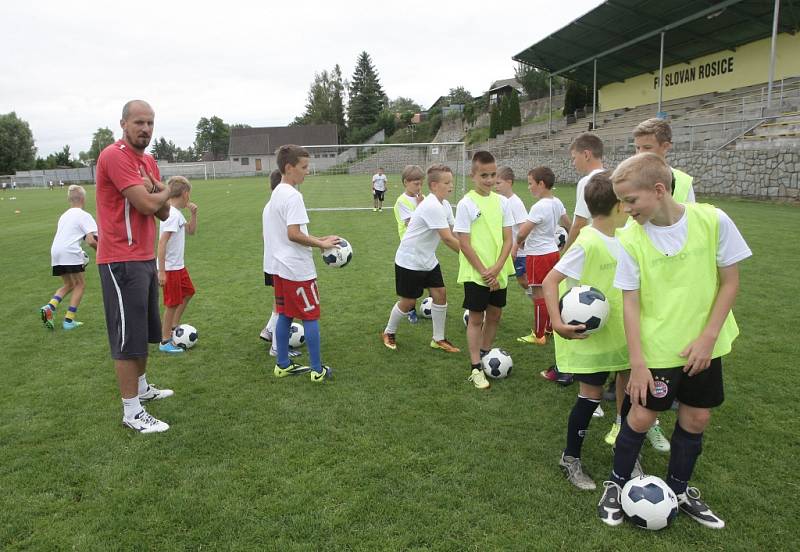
23	181
189	170
342	173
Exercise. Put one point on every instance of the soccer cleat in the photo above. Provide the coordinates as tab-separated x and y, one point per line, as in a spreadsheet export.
598	412
611	436
293	369
389	340
265	334
155	394
478	379
691	505
553	374
575	474
444	345
145	423
292	351
412	316
71	324
374	209
657	438
326	373
169	347
609	509
47	317
531	338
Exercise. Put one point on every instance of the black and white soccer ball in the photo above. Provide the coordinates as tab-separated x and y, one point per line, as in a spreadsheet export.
185	336
426	309
86	258
584	305
497	363
466	317
297	335
561	236
649	503
338	255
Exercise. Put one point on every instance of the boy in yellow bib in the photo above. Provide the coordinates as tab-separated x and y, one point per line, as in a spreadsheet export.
679	278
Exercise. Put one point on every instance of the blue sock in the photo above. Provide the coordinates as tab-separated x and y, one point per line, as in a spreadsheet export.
313	343
686	447
626	451
281	339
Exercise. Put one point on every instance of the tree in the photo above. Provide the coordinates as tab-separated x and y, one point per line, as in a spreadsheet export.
185	155
459	96
576	97
404	105
17	151
212	137
100	141
163	149
535	83
63	157
494	120
515	115
325	104
367	99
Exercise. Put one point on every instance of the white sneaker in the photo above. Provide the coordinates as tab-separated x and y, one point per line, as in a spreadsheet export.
273	352
154	394
657	438
265	334
145	423
598	412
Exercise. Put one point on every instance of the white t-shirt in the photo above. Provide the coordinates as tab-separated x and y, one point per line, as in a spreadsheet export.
403	210
73	226
379	182
467	212
571	263
287	259
520	215
581	209
417	250
669	240
175	223
544	214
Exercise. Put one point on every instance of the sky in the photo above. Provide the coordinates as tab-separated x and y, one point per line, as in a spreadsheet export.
67	68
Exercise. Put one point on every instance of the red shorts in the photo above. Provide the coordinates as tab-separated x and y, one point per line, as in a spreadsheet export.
177	287
296	299
538	266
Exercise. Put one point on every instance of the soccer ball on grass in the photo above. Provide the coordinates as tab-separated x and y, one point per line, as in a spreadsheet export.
185	336
497	363
297	335
649	503
426	309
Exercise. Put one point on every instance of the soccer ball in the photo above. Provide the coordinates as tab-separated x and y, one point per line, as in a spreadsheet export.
561	236
584	305
497	364
185	336
426	309
649	502
466	317
85	259
339	255
297	335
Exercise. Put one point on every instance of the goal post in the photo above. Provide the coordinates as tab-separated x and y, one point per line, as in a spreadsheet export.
189	170
348	168
24	180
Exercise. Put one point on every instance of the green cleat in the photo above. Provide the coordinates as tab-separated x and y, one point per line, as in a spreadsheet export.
293	369
326	373
47	317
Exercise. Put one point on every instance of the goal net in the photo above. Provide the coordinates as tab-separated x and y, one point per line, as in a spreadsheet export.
23	181
341	175
189	170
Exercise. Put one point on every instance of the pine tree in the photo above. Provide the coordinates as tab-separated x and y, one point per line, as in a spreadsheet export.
367	98
513	106
494	120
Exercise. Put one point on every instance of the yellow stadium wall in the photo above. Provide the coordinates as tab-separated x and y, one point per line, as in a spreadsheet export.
717	72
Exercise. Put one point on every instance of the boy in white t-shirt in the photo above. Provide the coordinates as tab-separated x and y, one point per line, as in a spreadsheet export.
505	187
378	190
538	237
68	259
416	266
172	274
288	258
405	204
587	157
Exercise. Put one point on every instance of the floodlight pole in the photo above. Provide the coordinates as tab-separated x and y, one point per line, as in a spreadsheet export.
660	75
550	107
594	98
772	52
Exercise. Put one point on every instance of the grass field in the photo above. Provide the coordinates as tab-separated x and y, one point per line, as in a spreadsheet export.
399	452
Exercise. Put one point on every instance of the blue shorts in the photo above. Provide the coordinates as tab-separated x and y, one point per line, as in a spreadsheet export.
519	266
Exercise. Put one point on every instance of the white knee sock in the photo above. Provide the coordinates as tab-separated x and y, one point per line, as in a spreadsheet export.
394	319
143	384
439	315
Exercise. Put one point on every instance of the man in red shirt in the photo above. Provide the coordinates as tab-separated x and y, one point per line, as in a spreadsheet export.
129	192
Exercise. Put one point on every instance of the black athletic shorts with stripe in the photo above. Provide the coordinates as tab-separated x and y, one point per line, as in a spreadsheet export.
130	298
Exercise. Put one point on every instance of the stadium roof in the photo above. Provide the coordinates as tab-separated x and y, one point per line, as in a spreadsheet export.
624	36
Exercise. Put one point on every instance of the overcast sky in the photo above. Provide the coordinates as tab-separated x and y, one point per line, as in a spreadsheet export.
68	67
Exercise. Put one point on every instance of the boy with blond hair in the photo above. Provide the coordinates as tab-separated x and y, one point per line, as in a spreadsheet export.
655	136
416	266
68	259
173	277
675	344
505	187
586	151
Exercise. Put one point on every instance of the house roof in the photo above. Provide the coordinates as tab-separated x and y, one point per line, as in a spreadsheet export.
266	140
624	36
512	82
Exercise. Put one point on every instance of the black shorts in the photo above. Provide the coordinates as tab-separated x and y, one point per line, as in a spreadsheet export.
60	270
378	194
703	390
597	378
130	300
411	283
478	297
268	279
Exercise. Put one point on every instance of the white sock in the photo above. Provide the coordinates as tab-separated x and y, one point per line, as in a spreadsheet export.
439	315
131	407
394	319
529	291
273	319
143	384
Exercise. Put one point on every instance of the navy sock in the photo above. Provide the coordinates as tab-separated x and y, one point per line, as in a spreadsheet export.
313	343
579	419
626	406
626	451
686	447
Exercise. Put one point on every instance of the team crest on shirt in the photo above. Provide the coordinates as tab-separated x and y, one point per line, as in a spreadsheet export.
661	388
478	215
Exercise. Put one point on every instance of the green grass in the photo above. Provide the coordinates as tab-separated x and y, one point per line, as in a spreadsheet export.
399	452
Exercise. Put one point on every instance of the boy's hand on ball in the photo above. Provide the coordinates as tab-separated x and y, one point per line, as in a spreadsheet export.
328	241
698	355
568	331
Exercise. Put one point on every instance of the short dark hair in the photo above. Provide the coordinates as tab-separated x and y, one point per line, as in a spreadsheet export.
599	194
274	179
505	173
543	174
290	154
435	172
483	157
588	142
